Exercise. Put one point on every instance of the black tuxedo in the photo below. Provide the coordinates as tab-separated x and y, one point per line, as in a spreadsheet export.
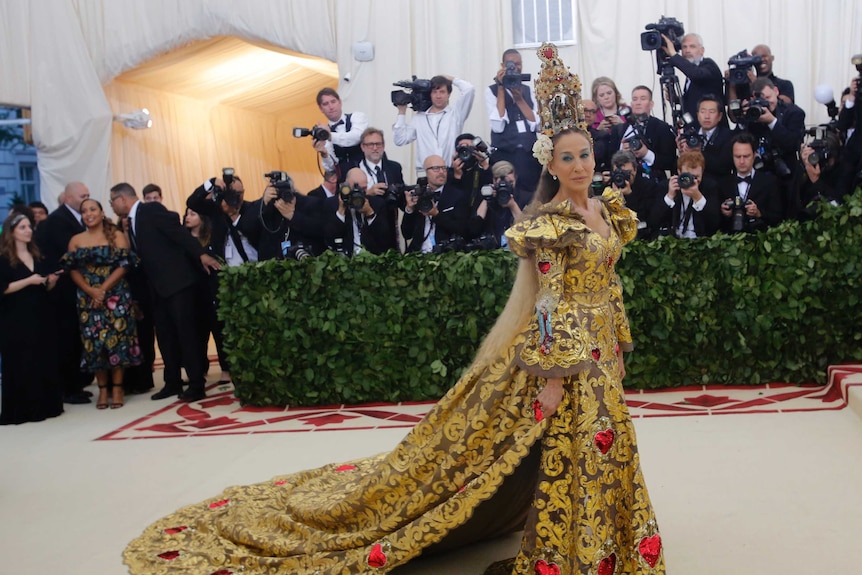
704	78
718	153
658	137
170	258
665	220
304	228
763	192
248	224
451	221
376	236
391	174
52	237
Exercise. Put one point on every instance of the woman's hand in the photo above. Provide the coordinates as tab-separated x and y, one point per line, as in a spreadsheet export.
97	295
550	397
622	364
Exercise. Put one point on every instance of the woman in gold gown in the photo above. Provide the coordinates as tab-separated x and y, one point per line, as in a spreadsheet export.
535	435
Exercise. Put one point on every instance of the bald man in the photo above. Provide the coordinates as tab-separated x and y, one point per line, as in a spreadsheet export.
764	70
354	221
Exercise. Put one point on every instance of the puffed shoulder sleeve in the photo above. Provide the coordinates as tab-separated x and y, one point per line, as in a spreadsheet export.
69	260
624	220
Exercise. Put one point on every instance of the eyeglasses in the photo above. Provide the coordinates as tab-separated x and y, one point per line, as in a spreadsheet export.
590	110
435	168
373	144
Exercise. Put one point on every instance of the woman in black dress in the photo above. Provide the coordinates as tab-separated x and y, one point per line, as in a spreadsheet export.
31	381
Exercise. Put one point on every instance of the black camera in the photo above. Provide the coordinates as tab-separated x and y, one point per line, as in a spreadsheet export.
425	198
394	194
501	189
597	186
768	157
670	27
230	196
737	216
740	63
352	197
624	112
483	242
453	244
756	108
691	137
317	133
296	251
620	177
513	78
282	183
686	180
465	154
635	142
824	145
418	98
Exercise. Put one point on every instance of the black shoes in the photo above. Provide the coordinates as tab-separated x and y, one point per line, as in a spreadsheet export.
165	393
78	397
192	394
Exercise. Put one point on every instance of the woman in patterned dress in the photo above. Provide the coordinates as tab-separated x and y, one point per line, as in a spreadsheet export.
97	260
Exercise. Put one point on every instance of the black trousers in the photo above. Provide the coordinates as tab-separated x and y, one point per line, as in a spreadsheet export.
176	319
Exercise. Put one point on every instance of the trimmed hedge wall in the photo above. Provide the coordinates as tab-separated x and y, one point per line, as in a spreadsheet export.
744	309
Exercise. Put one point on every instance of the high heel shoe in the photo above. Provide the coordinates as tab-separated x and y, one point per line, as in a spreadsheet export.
117	389
102	402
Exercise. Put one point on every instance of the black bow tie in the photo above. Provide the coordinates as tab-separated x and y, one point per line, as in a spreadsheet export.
745	179
335	125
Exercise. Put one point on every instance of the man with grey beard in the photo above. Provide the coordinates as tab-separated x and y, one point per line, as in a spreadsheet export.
703	76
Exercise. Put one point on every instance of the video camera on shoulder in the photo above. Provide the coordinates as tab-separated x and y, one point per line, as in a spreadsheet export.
511	77
353	197
670	27
418	97
317	133
283	184
230	196
740	63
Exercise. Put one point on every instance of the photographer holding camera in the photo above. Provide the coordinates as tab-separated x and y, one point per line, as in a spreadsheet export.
291	227
471	167
639	187
381	172
750	201
337	139
703	76
435	214
513	116
691	206
821	181
235	222
495	208
651	140
354	221
709	136
435	128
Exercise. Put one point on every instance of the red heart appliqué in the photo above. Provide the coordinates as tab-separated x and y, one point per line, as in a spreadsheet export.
544	267
650	549
217	504
545	568
345	468
377	558
548	53
604	440
175	530
608	565
537	411
169	555
597	353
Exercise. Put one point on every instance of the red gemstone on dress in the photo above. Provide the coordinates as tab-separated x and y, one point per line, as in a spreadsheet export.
597	353
169	555
544	267
377	558
548	53
604	440
610	261
222	572
175	530
545	568
217	504
608	565
617	349
537	411
281	482
650	549
345	468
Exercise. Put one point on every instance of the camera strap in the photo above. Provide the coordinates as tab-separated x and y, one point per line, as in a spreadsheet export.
236	239
689	210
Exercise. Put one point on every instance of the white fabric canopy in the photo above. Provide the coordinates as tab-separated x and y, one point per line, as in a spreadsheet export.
74	61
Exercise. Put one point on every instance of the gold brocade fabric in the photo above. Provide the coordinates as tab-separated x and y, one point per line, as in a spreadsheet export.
481	463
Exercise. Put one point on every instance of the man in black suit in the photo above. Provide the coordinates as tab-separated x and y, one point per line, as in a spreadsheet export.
652	141
638	187
691	208
349	227
703	76
380	172
169	256
443	220
711	138
292	221
750	201
52	237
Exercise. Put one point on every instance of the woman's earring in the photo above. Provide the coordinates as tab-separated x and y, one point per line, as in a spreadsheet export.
555	178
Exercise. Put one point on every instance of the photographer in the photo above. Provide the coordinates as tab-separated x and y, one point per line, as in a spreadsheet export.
651	140
434	130
340	150
691	207
495	208
353	221
602	140
764	70
291	221
471	168
435	214
513	115
850	127
821	180
381	172
639	187
710	137
703	76
750	201
236	226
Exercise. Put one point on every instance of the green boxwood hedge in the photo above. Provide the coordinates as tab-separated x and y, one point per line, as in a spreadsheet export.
744	309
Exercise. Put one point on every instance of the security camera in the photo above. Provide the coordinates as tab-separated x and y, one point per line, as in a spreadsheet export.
346	77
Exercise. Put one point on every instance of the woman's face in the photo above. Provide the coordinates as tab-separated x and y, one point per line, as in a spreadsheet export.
573	163
23	232
607	97
193	220
91	213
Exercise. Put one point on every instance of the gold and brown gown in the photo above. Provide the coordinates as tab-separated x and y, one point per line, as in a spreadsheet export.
483	462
